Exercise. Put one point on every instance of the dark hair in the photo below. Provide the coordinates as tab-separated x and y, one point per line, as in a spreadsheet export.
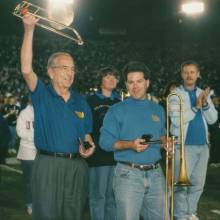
168	86
104	72
136	66
189	62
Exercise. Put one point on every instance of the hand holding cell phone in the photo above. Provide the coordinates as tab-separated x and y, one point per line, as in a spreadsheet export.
86	148
85	144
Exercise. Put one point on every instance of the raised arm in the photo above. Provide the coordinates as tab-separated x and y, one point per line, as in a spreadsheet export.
27	51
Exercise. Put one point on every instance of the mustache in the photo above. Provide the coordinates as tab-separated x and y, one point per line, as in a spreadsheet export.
189	78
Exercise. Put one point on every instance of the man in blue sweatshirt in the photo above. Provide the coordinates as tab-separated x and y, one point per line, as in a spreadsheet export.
138	181
198	112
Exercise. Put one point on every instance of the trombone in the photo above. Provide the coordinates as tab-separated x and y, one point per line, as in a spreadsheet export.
183	179
49	24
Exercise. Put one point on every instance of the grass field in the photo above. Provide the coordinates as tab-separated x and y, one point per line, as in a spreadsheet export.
12	196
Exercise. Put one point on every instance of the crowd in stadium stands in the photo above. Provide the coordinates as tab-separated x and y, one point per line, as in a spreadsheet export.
163	60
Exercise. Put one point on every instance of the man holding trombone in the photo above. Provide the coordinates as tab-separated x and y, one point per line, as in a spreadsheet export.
62	119
198	112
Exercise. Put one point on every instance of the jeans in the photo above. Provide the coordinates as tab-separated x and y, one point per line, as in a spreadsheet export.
12	143
186	198
27	166
101	196
139	193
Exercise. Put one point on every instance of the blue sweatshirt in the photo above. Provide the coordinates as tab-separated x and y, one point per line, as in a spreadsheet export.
129	120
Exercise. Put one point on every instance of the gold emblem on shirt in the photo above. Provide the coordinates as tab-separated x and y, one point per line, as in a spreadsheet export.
80	115
155	118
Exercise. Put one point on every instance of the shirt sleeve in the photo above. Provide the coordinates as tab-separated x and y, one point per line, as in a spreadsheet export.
36	94
163	123
210	113
23	131
88	118
110	131
174	109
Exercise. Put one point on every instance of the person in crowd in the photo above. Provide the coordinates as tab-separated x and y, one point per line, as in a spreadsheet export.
24	101
4	139
170	87
215	135
198	112
10	112
61	119
27	150
1	102
101	163
138	181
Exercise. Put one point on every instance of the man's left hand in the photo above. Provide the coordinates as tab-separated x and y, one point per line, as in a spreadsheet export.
167	143
87	152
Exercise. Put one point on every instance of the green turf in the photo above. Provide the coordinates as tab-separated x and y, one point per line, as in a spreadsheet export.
12	196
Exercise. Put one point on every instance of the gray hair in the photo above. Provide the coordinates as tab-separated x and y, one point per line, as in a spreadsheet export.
52	58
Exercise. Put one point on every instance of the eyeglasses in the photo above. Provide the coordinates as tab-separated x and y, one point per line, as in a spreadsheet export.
65	68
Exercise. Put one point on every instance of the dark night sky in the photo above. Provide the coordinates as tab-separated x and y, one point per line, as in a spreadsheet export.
140	18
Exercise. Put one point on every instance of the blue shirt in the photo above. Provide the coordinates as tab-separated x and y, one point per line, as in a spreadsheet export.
59	124
196	134
129	120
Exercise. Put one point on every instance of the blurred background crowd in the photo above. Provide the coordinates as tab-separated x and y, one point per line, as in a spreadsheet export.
163	60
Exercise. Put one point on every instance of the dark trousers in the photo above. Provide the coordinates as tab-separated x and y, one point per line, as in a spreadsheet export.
27	166
3	154
60	188
215	145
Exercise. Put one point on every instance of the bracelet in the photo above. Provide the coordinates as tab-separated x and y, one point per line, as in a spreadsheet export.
194	109
206	106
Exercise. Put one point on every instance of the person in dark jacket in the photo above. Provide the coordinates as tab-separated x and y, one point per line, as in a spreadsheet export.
4	139
101	163
10	112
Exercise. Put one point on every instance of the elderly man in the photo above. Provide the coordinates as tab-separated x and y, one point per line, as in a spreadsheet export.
62	118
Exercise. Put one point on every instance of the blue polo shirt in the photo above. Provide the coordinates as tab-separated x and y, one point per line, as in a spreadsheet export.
129	120
196	134
59	124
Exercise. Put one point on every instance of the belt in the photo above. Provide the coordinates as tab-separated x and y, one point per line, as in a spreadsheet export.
64	155
141	167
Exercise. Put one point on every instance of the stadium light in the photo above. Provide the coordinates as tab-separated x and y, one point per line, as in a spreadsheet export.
193	7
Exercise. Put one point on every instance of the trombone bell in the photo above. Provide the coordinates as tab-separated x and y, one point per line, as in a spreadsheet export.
183	179
60	11
51	19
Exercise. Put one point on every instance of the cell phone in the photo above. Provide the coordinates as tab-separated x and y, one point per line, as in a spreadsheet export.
146	137
85	144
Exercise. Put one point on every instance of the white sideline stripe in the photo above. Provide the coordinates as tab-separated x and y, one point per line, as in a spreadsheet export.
5	167
216	211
